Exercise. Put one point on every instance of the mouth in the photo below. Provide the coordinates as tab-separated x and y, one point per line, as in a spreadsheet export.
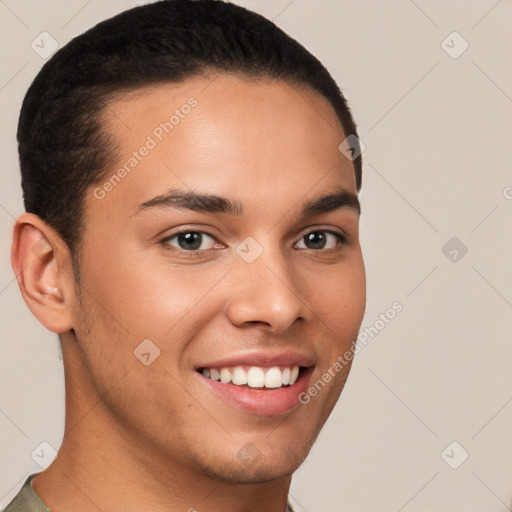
258	390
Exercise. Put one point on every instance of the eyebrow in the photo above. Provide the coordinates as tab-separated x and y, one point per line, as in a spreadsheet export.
210	203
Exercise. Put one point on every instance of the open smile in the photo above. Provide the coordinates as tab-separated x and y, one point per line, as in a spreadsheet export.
258	390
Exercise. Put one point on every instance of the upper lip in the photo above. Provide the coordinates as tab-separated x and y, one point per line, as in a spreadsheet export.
264	359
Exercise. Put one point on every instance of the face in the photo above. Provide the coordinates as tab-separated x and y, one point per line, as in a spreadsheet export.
227	250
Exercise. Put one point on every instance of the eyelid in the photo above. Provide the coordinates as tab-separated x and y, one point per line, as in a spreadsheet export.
327	229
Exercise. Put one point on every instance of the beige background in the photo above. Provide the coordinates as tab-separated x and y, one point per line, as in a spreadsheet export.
438	134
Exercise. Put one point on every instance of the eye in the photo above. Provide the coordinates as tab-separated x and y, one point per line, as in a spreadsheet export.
190	241
321	239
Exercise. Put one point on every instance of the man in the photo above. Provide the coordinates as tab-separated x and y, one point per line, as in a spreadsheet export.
191	234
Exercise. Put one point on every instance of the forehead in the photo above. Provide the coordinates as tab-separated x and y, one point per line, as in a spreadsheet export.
235	137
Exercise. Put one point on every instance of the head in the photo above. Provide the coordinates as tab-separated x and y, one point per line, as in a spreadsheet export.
188	210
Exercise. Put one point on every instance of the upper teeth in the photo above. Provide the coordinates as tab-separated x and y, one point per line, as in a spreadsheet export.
255	377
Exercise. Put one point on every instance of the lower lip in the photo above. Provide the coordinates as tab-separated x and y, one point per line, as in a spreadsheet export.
261	401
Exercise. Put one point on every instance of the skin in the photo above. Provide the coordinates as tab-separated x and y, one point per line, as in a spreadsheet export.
154	437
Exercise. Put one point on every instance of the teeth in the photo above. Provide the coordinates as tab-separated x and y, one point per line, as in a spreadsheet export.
225	375
239	376
274	378
255	377
294	374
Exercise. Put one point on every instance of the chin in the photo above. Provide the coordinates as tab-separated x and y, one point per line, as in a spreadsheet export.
252	466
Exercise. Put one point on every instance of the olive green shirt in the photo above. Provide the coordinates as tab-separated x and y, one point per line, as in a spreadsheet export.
28	501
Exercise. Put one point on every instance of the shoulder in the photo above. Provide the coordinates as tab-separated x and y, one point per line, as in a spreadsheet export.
26	500
289	507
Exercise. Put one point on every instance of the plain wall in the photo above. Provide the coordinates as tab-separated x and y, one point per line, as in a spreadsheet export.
438	135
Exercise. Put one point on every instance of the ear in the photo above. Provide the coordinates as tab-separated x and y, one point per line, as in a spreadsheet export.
43	267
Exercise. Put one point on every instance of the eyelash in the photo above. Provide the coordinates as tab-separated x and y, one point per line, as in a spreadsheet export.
341	238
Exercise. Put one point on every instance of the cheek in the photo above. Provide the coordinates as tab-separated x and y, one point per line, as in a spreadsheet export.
338	303
150	298
338	299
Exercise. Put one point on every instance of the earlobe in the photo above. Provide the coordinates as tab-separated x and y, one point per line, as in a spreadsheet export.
42	264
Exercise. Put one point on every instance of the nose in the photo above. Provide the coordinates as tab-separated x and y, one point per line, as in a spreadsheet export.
265	293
